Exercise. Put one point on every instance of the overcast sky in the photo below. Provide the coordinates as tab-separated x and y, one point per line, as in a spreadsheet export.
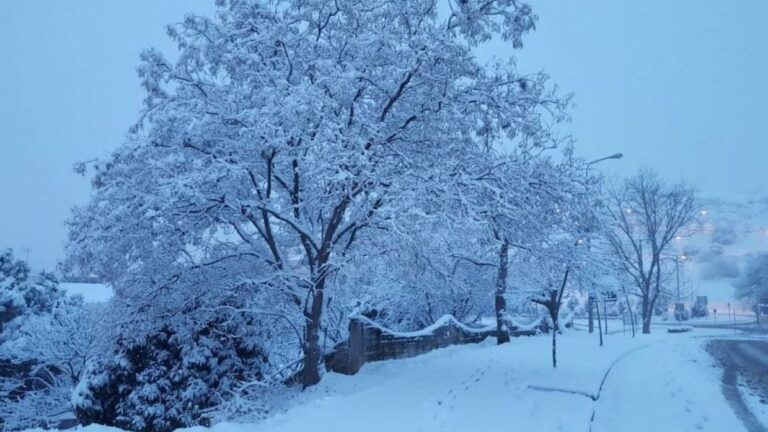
676	85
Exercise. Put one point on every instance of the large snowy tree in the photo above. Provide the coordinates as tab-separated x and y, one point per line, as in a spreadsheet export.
284	132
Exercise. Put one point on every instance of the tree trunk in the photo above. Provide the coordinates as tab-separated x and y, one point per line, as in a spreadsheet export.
554	348
554	311
312	352
646	313
502	332
629	309
647	325
599	323
591	313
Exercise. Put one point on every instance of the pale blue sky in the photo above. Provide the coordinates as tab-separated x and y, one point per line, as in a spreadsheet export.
677	85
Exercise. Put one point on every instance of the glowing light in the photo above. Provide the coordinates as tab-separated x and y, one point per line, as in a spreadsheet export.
628	211
579	241
683	257
678	238
703	212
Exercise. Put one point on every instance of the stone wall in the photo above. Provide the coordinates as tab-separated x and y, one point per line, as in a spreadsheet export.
369	341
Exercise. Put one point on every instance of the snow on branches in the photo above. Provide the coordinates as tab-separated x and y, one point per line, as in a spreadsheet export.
283	132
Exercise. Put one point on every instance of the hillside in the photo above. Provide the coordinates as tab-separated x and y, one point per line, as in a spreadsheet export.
714	255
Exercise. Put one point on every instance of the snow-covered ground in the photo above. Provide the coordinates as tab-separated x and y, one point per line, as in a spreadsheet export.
659	382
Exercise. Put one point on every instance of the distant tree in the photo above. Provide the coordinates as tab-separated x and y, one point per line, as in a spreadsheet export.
645	214
721	267
23	295
752	285
725	234
14	276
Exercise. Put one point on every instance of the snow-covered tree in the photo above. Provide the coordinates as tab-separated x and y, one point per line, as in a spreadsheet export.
645	215
55	346
23	295
285	132
531	200
42	335
752	285
559	257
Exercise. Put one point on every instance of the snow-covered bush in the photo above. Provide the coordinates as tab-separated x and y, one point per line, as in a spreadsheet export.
170	379
47	338
23	295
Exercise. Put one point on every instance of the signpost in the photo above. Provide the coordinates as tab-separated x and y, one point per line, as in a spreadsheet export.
762	308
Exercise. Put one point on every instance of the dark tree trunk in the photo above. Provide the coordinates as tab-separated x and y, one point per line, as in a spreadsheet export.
553	309
599	323
502	332
312	351
552	303
647	325
591	313
647	313
554	348
629	309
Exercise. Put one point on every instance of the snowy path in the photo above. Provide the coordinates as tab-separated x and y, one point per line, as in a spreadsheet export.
670	385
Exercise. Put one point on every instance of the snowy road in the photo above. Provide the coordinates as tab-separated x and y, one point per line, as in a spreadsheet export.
745	363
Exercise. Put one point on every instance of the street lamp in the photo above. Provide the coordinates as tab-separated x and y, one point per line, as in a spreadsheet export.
590	297
678	260
613	156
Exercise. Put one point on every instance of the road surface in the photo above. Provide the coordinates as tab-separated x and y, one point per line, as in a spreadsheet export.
743	361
